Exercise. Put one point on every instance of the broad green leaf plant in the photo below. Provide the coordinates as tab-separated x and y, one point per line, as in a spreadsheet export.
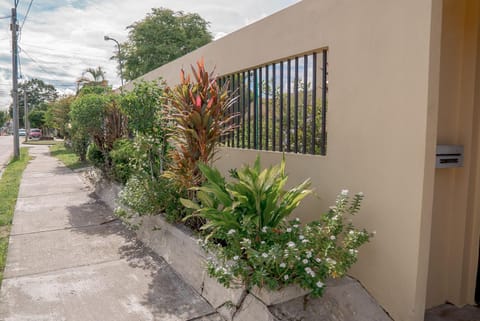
255	244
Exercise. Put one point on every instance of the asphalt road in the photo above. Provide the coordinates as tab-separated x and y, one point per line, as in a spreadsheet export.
6	149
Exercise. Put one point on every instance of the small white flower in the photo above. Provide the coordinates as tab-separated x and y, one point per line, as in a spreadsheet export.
282	265
301	237
309	254
264	229
333	237
291	244
297	219
262	242
320	284
285	277
318	260
344	192
351	232
231	232
296	226
351	251
236	257
289	230
305	241
305	261
265	255
308	270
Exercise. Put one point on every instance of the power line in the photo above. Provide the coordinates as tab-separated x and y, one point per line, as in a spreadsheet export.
26	15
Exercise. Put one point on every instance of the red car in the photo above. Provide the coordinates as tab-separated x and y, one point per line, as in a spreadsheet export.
35	133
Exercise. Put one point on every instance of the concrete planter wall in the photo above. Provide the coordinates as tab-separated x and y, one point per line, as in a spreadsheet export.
343	300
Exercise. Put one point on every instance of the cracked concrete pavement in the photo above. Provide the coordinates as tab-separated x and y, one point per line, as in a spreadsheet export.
68	260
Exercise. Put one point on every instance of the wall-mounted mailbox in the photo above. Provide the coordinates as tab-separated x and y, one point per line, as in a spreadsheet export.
449	156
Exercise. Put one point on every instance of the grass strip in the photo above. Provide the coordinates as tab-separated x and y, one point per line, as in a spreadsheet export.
41	142
67	156
9	186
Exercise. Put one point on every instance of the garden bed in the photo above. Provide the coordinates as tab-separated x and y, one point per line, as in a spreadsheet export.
344	299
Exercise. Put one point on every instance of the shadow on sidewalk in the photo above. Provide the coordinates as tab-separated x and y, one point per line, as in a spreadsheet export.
167	293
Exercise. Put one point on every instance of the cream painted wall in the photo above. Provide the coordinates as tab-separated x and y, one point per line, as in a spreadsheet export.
379	132
454	239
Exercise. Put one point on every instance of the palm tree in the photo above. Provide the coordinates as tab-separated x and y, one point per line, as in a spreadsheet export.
96	78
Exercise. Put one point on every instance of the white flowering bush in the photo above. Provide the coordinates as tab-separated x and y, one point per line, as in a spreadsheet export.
250	250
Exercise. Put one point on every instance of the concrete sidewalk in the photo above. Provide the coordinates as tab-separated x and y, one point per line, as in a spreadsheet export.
68	260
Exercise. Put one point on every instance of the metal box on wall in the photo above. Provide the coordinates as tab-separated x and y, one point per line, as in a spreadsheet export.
448	156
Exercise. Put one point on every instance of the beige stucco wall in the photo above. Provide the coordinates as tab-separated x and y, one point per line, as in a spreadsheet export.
381	142
456	213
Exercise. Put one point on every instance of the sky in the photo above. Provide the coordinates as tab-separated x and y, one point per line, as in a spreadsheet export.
61	38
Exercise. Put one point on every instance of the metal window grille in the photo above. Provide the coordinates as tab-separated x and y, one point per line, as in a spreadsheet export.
281	106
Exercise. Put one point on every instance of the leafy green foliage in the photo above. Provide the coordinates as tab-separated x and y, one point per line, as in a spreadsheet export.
256	198
254	243
3	117
57	115
161	37
95	156
121	155
144	196
37	118
97	118
39	94
200	110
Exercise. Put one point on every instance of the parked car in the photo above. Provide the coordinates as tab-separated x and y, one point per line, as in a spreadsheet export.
22	132
35	133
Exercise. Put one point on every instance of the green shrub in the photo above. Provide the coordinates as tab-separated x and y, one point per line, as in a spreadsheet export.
122	156
256	245
145	196
80	142
95	156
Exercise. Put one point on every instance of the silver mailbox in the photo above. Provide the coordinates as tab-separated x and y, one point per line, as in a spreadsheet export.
449	156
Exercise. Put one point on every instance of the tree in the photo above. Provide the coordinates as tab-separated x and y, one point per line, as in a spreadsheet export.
37	118
57	115
3	117
92	77
161	37
39	94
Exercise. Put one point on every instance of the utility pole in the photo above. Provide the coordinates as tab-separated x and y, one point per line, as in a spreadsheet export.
14	28
25	111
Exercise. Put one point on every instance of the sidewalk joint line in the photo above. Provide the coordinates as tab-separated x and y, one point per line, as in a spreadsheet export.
66	228
62	269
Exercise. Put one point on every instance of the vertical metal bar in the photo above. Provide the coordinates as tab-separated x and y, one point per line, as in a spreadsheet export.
274	107
249	112
244	100
236	79
232	110
305	102
314	104
280	132
260	107
255	109
289	79
267	114
323	144
295	105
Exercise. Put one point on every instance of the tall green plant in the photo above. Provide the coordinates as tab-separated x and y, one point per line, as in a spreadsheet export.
255	199
200	111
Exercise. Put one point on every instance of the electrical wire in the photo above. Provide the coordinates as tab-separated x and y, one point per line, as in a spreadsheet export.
26	15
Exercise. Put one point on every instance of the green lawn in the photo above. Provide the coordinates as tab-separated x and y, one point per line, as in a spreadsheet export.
9	185
41	142
67	156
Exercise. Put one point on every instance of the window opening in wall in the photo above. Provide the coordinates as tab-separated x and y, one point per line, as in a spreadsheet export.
282	106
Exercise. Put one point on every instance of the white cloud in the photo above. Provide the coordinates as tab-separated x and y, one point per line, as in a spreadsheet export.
60	39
